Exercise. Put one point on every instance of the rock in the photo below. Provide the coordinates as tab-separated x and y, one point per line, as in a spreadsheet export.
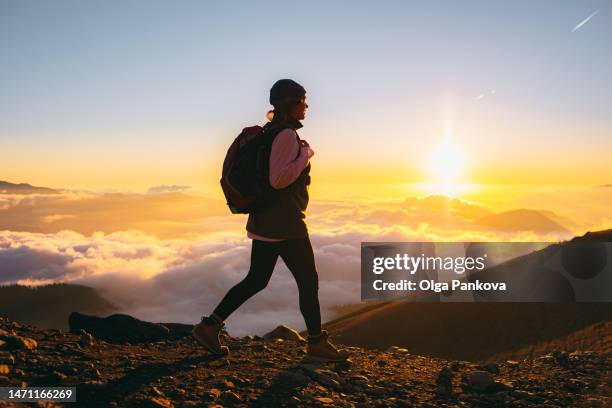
19	373
96	374
95	384
6	358
231	397
493	368
70	346
309	368
295	378
573	385
212	394
257	346
125	363
562	358
29	344
237	381
157	402
220	362
283	333
86	339
67	369
397	349
359	380
15	342
325	377
593	403
118	328
512	363
444	382
178	330
502	386
548	358
444	375
324	400
456	365
328	378
156	392
480	380
57	376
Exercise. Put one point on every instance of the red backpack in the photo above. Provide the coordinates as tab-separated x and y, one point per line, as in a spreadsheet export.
245	174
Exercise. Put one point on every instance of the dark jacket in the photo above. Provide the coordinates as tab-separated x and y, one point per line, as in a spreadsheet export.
284	218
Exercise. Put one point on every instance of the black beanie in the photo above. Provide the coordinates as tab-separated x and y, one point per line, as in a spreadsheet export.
285	88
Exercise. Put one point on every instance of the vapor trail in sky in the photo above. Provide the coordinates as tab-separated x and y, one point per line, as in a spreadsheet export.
586	20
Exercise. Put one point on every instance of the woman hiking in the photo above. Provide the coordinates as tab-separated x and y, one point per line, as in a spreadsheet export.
280	230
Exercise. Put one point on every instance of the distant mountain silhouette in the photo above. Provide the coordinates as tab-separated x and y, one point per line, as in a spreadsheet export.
49	306
523	220
24	188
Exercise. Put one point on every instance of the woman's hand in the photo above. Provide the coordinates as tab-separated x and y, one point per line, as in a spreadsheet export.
304	145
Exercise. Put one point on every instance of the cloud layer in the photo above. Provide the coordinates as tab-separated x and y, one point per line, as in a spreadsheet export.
170	256
179	280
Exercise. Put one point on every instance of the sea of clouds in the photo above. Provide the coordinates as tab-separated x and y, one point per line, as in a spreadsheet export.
171	256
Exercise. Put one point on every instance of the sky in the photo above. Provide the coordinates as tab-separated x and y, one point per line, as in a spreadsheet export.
128	95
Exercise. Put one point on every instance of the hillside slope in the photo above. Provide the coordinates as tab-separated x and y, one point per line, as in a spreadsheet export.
478	331
48	306
494	331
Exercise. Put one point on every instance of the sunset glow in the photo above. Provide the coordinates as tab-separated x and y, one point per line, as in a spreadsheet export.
447	167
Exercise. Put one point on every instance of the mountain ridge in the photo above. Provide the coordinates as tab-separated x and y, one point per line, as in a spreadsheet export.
523	219
24	188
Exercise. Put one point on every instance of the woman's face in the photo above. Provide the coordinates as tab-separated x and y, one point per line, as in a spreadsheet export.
299	109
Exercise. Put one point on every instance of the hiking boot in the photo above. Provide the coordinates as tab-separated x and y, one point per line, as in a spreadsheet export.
324	350
207	334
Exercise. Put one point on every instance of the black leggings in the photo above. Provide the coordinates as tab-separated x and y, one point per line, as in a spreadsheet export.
298	256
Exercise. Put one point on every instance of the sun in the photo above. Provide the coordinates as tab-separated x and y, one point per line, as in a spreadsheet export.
447	166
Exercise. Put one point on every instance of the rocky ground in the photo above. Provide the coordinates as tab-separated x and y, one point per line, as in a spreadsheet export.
270	373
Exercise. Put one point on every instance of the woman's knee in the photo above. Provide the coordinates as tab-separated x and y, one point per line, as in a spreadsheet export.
255	283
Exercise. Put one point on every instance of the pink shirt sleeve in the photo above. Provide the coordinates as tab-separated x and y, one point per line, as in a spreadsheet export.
285	167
